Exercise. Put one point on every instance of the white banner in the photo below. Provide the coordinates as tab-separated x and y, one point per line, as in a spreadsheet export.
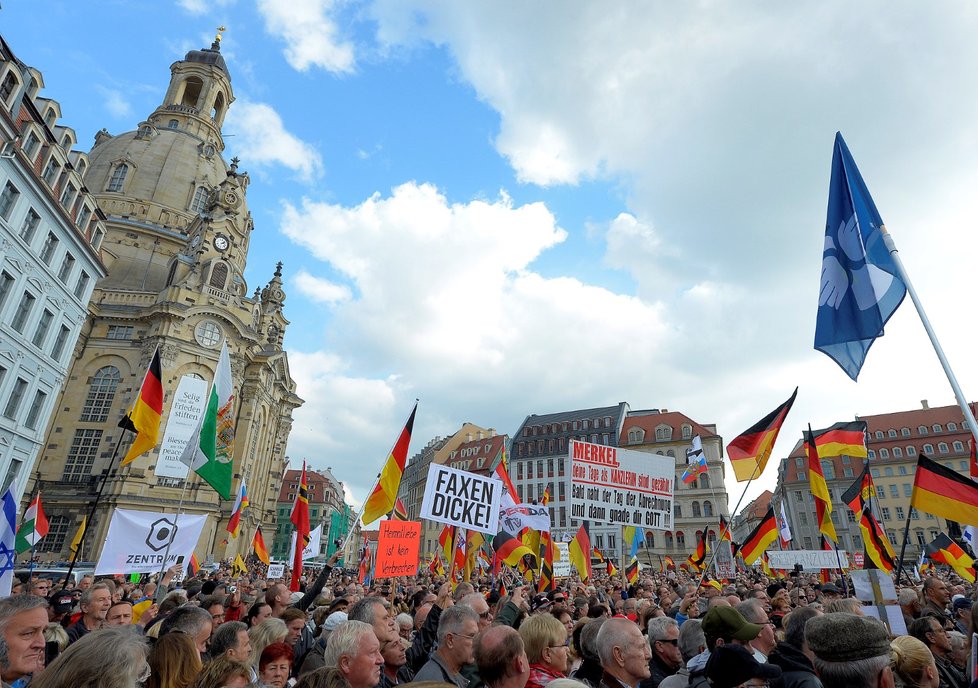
513	519
460	498
312	549
621	486
562	567
185	410
810	559
137	541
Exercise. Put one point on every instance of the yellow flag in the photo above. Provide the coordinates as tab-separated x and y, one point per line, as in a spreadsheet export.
239	568
79	534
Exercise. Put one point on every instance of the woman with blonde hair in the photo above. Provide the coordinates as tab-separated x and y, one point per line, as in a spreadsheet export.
107	658
547	649
912	664
264	634
223	672
174	661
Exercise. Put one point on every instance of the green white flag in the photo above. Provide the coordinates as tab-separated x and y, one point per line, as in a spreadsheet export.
209	451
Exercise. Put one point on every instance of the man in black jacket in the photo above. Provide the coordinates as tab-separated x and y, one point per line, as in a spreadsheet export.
797	670
664	643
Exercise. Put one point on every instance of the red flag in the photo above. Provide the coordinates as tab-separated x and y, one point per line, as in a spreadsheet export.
300	519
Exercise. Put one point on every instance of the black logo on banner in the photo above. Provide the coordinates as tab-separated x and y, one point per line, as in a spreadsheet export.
161	533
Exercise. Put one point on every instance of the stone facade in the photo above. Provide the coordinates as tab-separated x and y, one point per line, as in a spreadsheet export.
178	232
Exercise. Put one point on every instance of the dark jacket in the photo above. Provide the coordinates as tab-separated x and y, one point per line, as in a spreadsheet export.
424	641
659	671
949	674
797	670
76	630
589	672
313	591
404	675
510	615
314	659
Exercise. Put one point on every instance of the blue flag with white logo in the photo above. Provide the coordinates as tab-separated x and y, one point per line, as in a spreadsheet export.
860	288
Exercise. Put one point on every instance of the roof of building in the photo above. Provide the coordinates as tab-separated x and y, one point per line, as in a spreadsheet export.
477	455
319	486
559	417
649	421
210	56
758	507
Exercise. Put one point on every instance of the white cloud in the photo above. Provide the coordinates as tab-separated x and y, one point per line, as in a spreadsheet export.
260	138
202	6
321	290
312	37
115	102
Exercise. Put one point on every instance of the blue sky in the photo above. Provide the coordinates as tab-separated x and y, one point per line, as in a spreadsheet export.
507	208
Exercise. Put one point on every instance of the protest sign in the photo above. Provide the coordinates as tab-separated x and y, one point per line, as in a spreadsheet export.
810	559
185	410
398	545
515	518
311	550
460	498
275	571
621	486
138	540
562	566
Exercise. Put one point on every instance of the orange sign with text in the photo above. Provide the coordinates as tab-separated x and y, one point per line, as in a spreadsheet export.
398	546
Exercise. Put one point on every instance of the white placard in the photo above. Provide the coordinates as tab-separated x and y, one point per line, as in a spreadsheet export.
894	617
460	498
810	559
515	518
621	486
862	582
275	571
312	549
137	541
562	568
185	410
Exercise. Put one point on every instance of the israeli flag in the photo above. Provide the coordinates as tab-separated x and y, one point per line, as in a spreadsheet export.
8	532
860	288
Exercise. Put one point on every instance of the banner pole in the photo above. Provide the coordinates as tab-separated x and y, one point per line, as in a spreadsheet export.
903	547
714	554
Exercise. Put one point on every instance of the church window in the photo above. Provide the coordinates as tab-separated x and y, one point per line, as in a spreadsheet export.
191	91
696	509
200	199
101	393
118	179
172	124
123	332
145	132
218	110
704	480
81	456
219	275
208	333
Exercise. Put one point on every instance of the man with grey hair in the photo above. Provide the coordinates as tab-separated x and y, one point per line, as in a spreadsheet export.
94	604
374	611
792	653
231	640
624	654
405	625
353	648
456	644
909	600
753	611
850	651
23	619
193	621
692	641
663	634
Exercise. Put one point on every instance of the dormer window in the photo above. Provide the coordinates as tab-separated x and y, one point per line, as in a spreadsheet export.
51	117
8	86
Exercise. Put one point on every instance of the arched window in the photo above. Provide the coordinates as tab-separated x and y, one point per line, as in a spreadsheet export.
897	453
879	434
708	509
118	179
687	431
219	277
958	446
218	112
650	539
911	450
663	433
952	426
891	433
191	91
636	435
704	480
101	393
884	453
173	124
696	510
669	539
942	447
928	448
200	200
680	540
936	427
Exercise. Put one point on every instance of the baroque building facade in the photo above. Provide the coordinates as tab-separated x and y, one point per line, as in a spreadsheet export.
178	231
51	231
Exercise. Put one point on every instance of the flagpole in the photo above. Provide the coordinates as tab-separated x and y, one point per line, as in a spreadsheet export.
903	547
91	512
958	394
743	494
176	519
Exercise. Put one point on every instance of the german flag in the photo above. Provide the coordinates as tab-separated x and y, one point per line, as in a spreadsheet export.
545	497
763	535
447	541
631	571
381	500
820	491
944	550
825	575
144	418
724	530
668	563
258	544
400	511
860	492
698	558
579	551
942	492
878	549
847	439
509	550
750	450
300	519
546	581
193	566
766	566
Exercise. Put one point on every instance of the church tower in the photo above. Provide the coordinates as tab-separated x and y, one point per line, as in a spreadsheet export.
178	231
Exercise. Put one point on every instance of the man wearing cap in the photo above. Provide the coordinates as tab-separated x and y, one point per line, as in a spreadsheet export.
663	634
931	633
962	612
830	591
732	665
62	602
765	641
624	654
850	651
721	625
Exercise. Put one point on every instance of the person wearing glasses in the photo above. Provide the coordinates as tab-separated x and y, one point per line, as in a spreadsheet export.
457	629
930	631
765	642
545	640
733	666
663	634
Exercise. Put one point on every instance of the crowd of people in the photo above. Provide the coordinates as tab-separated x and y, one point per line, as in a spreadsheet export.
668	630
